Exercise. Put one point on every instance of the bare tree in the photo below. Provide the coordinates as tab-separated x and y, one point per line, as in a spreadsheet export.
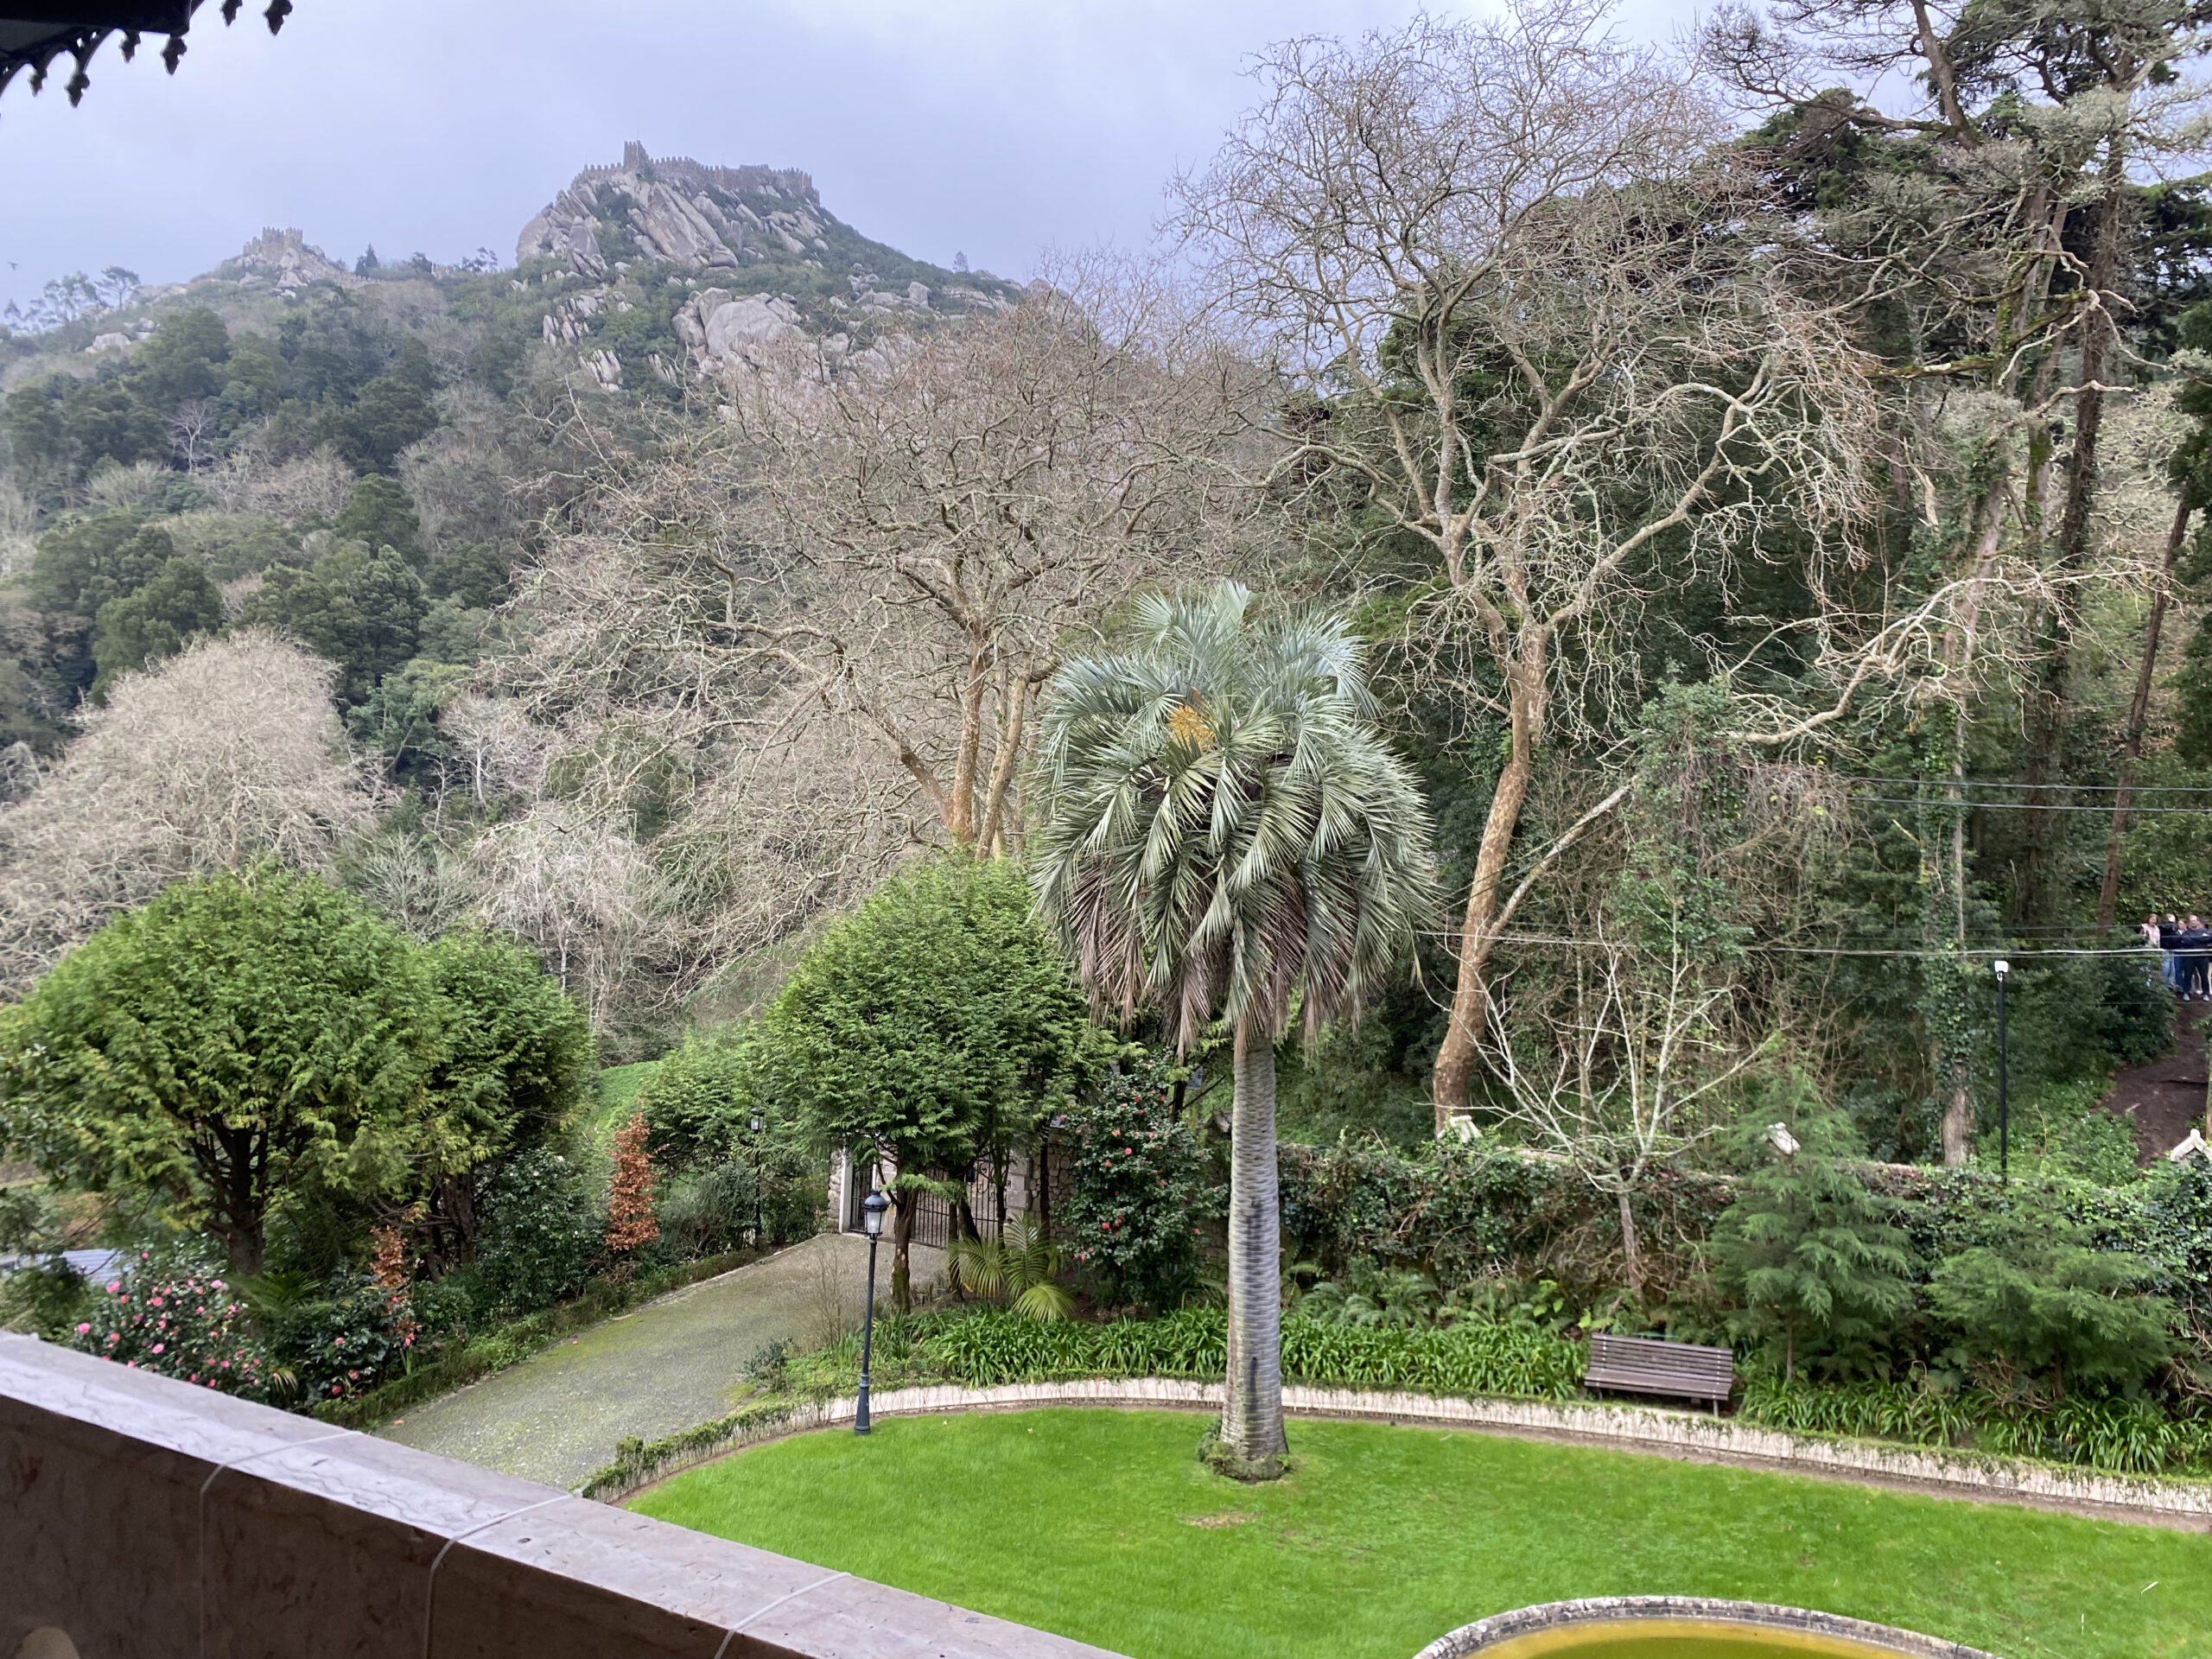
586	894
194	428
226	751
928	529
249	481
1639	1042
1522	302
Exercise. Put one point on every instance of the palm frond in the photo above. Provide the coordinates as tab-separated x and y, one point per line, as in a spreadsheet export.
1225	832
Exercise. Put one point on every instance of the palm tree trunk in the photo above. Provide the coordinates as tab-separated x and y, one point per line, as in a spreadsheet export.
1251	1421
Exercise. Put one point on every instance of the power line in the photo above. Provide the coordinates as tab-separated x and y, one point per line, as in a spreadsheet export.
1979	783
2104	811
1993	950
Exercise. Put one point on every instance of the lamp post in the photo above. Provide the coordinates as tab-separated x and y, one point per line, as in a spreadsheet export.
2004	1111
872	1221
756	1180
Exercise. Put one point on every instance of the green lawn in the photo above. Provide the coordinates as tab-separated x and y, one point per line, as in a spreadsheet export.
1102	1525
618	1093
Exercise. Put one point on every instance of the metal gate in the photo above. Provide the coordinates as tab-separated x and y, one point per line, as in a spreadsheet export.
933	1215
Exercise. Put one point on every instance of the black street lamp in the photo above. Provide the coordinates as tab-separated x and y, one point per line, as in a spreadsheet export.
872	1222
2004	1112
756	1180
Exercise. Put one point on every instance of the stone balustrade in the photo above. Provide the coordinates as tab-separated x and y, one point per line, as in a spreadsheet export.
145	1518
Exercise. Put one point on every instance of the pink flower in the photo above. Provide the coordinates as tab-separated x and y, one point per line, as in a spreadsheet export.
85	1329
153	1301
159	1346
114	1285
113	1336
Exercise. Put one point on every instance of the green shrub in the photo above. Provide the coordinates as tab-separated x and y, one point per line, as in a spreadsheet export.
2124	1436
706	1210
346	1339
541	1235
989	1348
177	1316
1140	1193
1808	1252
48	1299
700	1101
2042	1300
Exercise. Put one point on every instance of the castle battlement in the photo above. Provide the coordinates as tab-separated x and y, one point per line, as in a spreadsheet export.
697	175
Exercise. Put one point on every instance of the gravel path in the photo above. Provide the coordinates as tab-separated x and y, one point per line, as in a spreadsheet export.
665	1366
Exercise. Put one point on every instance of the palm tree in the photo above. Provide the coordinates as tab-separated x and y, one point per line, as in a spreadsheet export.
1226	837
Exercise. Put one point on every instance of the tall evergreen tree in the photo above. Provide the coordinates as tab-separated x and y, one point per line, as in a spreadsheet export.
1807	1247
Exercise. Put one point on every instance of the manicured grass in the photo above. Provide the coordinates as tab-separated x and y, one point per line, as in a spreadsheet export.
1102	1525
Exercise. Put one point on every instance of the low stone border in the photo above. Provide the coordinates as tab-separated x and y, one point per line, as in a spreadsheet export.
2184	1505
1490	1634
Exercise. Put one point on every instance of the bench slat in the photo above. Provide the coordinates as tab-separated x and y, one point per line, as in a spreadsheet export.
1646	1365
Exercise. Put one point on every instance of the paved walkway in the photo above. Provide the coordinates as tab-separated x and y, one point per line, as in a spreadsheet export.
660	1368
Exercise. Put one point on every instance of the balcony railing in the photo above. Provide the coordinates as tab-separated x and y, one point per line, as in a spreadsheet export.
145	1518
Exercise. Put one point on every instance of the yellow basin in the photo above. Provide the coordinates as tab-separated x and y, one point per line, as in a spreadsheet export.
1679	1638
1683	1627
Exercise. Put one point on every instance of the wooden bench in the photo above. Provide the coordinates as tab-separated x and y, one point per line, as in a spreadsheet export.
1643	1365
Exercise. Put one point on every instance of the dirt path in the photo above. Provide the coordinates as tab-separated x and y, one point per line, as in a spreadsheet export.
665	1366
2165	1096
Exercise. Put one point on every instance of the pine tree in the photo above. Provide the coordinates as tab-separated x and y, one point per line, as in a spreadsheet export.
1808	1248
630	1222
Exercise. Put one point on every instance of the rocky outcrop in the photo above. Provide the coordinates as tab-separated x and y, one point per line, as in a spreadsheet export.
287	262
723	332
678	211
736	236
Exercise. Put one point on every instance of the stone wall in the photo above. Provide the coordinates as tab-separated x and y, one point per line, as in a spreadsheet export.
143	1518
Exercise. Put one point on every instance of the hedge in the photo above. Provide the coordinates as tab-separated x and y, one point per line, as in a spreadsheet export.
988	1348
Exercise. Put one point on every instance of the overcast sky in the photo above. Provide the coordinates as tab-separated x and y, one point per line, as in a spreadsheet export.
990	127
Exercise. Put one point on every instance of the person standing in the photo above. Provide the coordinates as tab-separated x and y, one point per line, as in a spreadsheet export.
2195	946
2169	931
2149	933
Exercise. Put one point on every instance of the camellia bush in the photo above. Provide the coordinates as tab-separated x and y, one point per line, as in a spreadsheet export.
1140	1192
177	1317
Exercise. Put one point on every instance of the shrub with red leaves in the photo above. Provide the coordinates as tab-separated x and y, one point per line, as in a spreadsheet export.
630	1222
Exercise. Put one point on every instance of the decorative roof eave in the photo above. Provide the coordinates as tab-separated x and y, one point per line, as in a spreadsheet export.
33	33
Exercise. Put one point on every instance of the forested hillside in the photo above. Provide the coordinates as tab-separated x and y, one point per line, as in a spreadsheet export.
1777	517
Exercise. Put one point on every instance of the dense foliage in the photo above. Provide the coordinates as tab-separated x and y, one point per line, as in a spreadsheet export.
933	1028
246	1042
1140	1192
238	1037
985	1348
1806	1247
178	1316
